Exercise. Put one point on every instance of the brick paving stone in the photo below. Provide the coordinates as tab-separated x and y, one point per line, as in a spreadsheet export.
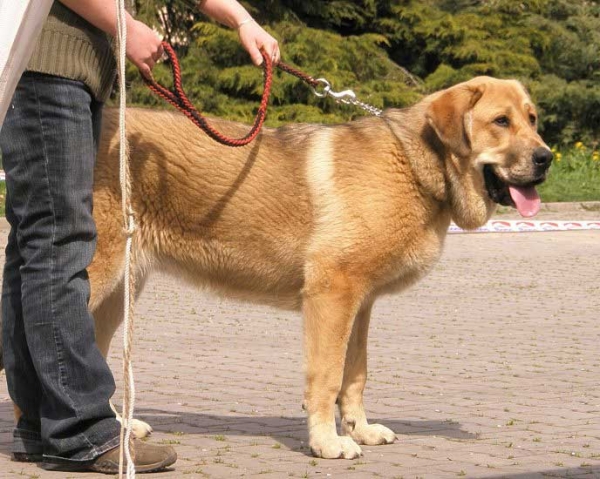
488	368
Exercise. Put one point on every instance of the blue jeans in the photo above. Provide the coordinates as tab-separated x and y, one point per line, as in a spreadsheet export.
54	370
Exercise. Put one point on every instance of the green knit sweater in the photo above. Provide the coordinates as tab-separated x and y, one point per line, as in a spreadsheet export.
72	48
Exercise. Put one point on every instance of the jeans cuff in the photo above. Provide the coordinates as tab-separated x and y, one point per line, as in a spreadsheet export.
27	442
88	457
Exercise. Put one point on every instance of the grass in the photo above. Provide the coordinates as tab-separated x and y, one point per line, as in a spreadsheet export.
574	175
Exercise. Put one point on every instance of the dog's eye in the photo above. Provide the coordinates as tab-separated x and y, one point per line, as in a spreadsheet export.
532	119
502	121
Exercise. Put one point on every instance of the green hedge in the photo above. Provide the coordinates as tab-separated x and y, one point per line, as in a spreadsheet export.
392	53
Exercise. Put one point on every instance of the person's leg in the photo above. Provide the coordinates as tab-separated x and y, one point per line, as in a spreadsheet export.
49	152
27	444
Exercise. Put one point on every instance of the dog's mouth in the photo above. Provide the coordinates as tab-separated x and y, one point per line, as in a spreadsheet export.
524	198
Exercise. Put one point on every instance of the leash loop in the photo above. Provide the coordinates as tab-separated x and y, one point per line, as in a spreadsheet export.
179	100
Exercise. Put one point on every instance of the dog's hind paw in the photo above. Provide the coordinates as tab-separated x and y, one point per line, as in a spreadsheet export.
372	435
140	428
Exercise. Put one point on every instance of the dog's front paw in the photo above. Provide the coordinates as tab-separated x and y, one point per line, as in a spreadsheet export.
372	434
328	445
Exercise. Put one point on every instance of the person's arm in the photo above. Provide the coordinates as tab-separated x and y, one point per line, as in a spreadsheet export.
144	47
252	36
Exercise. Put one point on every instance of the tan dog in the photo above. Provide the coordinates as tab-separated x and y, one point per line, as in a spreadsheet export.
319	218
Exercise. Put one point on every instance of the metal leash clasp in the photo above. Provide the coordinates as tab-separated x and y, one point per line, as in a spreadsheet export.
327	91
347	96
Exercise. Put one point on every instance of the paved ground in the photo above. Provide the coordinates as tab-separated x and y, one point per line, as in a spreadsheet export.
489	368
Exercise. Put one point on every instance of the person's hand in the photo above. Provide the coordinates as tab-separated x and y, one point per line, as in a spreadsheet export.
144	47
254	38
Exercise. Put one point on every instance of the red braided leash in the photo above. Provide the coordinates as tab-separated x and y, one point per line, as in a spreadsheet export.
179	99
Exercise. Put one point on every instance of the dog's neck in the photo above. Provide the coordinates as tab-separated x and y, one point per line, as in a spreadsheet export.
412	131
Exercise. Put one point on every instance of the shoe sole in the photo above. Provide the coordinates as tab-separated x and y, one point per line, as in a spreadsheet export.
108	467
112	468
26	457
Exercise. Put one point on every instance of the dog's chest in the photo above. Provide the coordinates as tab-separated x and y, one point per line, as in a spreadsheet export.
410	259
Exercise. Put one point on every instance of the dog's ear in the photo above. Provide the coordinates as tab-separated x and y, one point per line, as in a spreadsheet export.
449	116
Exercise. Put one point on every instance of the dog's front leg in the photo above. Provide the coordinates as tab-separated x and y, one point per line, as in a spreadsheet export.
330	306
352	411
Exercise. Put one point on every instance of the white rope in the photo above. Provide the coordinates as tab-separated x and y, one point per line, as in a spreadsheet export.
129	226
529	226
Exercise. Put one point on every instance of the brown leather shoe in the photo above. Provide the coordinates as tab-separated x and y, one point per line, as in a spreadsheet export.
147	457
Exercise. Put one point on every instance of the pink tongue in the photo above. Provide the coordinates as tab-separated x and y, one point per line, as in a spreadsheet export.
527	200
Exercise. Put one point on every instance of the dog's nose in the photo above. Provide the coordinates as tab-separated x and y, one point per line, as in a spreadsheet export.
542	157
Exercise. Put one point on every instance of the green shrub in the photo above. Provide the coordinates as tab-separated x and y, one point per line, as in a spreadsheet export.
574	175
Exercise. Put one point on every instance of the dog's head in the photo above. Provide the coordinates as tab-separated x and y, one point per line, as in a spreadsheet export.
490	127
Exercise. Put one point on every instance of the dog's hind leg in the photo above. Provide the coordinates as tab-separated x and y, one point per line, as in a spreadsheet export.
330	305
109	316
350	400
18	413
106	277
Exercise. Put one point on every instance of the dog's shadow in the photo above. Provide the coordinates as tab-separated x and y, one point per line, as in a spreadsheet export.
289	431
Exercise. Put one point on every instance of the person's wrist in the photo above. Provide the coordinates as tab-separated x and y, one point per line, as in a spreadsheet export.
130	23
246	21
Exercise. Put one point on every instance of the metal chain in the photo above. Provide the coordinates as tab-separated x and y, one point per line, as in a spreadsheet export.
365	106
347	97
